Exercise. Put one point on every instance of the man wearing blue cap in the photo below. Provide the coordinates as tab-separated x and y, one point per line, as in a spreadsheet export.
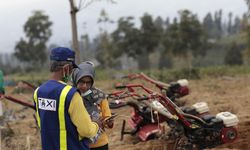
61	116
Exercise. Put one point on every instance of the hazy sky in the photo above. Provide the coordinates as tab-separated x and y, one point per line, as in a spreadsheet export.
14	13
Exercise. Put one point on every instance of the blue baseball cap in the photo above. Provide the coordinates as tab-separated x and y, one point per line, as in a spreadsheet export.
63	54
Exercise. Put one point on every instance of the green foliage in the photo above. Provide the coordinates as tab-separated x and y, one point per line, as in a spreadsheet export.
164	75
34	77
165	61
191	34
126	37
8	69
37	31
106	54
30	53
104	18
229	29
187	39
2	91
247	32
169	75
187	35
208	25
195	42
149	39
233	56
159	25
217	24
37	28
149	34
137	43
106	50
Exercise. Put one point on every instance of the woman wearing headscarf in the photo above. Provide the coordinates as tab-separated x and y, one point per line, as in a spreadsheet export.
95	102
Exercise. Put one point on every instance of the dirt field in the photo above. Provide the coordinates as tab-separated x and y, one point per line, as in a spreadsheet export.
232	94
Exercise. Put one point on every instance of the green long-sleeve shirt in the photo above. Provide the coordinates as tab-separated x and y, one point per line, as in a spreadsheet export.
1	83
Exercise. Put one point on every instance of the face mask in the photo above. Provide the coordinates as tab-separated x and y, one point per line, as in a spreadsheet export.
66	76
86	93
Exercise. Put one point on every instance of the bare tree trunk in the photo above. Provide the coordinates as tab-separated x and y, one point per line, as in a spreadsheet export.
73	11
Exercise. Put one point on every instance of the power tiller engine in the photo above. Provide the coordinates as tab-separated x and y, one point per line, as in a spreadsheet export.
190	128
209	131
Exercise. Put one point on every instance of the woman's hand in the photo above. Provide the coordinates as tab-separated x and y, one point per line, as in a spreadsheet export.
108	122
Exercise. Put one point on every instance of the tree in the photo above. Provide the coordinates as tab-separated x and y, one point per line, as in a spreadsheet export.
33	50
248	4
149	37
137	43
106	54
171	42
237	25
73	11
186	38
126	38
208	25
218	24
190	35
105	51
159	24
104	19
246	28
165	60
229	29
233	56
167	23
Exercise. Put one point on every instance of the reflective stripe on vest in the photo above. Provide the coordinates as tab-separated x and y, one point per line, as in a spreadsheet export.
37	113
62	125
